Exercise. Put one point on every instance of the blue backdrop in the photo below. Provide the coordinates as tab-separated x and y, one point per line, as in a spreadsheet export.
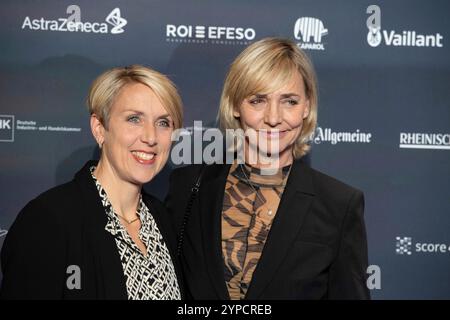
383	70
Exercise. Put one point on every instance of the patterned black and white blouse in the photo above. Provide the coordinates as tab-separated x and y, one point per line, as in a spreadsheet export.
150	277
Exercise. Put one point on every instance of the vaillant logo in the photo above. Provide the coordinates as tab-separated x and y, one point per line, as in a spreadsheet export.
310	32
73	23
6	128
406	38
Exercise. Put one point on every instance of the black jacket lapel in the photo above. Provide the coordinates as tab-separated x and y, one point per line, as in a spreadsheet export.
294	205
211	200
108	268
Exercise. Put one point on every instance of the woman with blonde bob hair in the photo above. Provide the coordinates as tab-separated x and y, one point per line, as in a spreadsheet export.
266	67
100	236
247	232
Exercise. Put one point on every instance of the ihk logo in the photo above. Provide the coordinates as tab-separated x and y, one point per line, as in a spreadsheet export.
403	245
116	21
6	128
310	32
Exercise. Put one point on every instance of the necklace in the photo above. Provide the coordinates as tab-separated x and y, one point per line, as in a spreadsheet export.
99	187
269	211
127	221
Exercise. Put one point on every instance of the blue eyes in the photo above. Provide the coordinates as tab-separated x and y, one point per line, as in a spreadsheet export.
136	119
292	102
258	101
163	123
133	119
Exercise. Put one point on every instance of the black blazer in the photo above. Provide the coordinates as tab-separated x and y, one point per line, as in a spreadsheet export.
66	226
316	248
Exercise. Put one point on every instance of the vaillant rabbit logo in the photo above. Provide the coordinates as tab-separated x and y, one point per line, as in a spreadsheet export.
310	32
406	38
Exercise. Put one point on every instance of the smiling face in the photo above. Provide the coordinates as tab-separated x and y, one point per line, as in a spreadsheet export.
137	141
276	117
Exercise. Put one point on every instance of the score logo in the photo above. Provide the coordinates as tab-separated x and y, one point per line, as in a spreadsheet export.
404	246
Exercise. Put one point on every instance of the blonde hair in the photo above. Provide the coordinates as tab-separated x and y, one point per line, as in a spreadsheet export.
106	87
266	66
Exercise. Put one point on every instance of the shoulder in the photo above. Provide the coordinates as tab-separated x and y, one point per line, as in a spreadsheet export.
52	201
183	178
336	199
69	198
330	191
154	202
191	172
42	220
187	172
331	185
57	194
45	215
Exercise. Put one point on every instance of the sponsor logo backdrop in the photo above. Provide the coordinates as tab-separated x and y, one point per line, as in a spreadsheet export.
384	110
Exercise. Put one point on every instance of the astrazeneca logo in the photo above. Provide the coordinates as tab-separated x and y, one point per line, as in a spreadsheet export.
410	140
6	128
310	32
116	21
73	23
405	246
209	34
334	137
407	38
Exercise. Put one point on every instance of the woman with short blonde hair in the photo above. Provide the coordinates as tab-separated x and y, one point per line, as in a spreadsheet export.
101	236
108	85
253	233
265	67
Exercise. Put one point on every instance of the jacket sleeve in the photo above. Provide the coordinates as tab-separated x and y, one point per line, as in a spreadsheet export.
348	273
175	203
181	182
32	257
